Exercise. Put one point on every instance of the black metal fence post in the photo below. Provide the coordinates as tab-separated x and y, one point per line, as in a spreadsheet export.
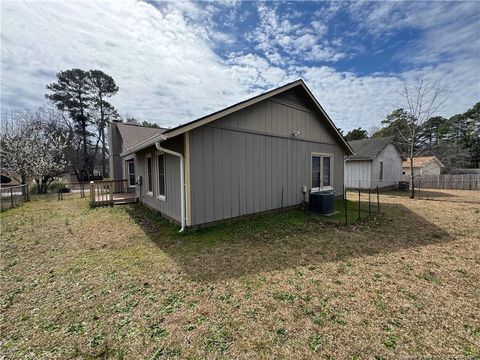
281	206
359	216
345	205
369	209
378	201
11	197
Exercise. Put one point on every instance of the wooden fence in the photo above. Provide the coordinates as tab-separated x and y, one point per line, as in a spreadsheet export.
448	181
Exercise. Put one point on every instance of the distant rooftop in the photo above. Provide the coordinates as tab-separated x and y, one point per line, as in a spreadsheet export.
421	161
368	149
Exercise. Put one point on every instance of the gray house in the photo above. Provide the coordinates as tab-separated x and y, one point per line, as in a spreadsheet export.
376	162
257	155
123	137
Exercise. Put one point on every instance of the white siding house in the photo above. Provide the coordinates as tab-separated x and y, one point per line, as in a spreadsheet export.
376	162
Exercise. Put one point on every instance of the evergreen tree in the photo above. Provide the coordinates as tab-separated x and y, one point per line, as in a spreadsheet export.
356	134
103	86
73	93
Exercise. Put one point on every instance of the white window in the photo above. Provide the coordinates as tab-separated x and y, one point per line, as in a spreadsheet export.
149	174
131	173
161	176
381	171
321	171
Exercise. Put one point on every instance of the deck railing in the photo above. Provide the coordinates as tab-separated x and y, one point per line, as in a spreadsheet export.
107	192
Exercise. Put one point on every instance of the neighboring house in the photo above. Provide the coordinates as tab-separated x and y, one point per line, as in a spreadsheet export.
376	162
7	180
122	137
261	154
425	165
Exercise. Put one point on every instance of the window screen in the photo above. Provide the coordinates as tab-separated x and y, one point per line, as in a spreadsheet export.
161	175
131	173
326	172
149	175
315	172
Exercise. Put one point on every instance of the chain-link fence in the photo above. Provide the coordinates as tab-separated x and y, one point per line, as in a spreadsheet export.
13	196
71	190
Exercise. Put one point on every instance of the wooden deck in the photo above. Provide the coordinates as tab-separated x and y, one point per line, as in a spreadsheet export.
111	192
118	199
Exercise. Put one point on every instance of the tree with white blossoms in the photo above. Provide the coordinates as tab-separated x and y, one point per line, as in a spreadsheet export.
33	147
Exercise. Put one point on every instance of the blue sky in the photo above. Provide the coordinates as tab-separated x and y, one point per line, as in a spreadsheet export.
175	61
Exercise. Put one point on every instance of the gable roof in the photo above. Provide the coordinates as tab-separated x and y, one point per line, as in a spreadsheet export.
368	149
421	161
241	105
134	134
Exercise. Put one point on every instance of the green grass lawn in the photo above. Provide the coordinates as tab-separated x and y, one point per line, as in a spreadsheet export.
122	283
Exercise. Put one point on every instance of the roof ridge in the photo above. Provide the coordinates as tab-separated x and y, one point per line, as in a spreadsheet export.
144	126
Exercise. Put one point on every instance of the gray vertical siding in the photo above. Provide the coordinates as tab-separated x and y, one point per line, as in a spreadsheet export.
171	206
239	164
116	148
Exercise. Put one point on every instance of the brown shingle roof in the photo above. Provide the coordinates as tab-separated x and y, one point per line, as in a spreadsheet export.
135	134
421	161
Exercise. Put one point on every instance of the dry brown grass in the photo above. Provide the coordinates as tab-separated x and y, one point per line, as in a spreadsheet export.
119	283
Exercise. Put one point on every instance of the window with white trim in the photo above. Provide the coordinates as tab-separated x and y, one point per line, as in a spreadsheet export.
161	175
131	173
149	174
321	171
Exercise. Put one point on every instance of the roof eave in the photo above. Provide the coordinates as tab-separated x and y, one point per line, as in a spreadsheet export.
360	159
349	149
234	108
231	109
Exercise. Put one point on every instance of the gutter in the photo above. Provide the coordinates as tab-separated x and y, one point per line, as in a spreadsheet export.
182	177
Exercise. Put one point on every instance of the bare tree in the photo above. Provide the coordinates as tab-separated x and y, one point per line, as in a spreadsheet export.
423	100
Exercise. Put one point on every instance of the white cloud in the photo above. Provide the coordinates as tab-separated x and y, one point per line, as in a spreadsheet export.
276	33
319	28
305	42
160	61
163	60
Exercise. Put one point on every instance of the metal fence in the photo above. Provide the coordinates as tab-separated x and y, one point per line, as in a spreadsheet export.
424	192
71	190
360	203
13	196
447	188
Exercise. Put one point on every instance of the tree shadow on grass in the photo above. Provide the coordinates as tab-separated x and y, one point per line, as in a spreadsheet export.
282	241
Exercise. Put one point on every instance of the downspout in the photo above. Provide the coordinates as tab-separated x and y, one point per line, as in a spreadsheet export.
182	177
